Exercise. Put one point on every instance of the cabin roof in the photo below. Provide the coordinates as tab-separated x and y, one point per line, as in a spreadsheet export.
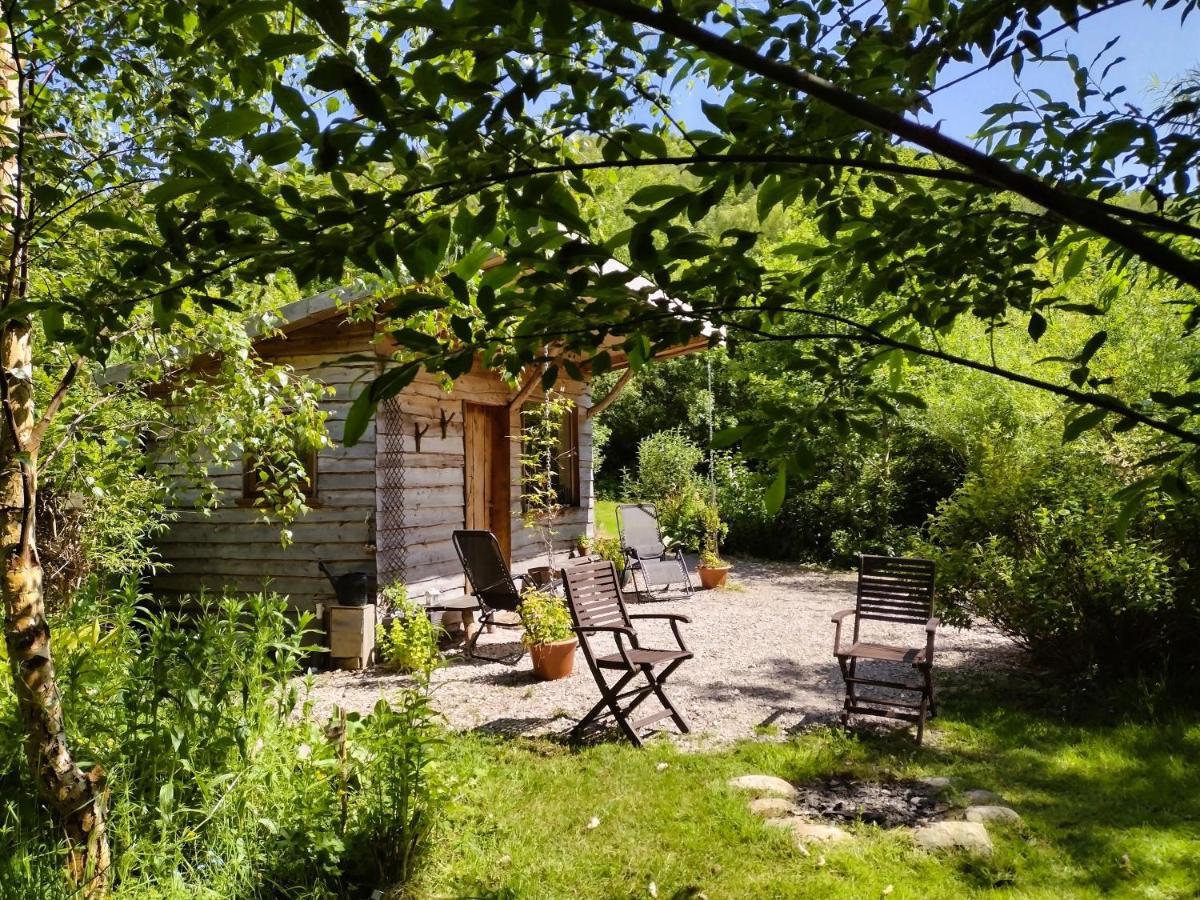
332	303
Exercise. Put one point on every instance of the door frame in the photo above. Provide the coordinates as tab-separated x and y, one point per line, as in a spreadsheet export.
486	455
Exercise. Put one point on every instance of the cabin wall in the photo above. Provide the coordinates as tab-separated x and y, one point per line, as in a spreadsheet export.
434	497
233	548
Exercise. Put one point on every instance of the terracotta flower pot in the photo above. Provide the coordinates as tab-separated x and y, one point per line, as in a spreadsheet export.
713	576
553	661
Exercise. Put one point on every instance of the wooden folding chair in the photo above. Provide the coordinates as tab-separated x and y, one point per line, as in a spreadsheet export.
598	608
897	590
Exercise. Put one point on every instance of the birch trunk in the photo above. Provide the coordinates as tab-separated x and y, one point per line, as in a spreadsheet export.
77	799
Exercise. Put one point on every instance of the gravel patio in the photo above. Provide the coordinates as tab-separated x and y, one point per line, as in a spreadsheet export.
764	664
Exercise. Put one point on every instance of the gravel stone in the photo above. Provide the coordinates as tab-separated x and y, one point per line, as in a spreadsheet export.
990	814
763	669
764	786
773	807
940	836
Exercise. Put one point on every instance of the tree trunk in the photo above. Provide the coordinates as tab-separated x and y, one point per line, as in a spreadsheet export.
76	799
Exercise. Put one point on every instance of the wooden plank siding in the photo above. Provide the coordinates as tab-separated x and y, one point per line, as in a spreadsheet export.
233	548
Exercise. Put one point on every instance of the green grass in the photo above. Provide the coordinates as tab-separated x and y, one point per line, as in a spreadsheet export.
1110	810
606	518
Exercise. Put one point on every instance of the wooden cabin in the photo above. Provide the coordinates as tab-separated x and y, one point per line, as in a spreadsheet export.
431	462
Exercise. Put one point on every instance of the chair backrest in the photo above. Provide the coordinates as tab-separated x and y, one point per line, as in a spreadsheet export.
484	565
637	524
594	594
895	589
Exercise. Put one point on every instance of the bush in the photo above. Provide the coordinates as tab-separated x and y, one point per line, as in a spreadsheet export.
1029	543
868	499
399	789
408	640
545	619
217	788
667	477
610	548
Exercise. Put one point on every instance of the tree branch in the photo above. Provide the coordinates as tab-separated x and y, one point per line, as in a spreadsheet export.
39	430
995	171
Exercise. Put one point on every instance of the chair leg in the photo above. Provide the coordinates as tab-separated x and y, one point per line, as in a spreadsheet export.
933	706
921	717
607	699
676	716
485	618
851	698
687	577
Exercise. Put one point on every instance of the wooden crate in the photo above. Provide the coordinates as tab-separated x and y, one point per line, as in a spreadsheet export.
351	631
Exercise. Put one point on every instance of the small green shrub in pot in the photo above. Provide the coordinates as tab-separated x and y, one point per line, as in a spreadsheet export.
545	619
714	530
548	634
610	548
408	641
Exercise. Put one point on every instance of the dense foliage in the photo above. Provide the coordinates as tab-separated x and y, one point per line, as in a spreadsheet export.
217	789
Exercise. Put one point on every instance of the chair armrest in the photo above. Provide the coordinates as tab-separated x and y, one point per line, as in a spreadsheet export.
932	625
674	619
837	630
931	628
616	631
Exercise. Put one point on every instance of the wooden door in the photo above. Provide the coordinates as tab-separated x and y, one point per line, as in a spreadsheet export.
486	477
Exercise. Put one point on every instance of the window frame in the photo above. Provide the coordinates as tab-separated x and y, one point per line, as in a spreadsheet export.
569	488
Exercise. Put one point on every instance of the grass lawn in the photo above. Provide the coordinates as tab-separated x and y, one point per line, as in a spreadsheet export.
1110	810
606	518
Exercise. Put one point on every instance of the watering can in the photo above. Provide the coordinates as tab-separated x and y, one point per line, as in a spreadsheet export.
351	589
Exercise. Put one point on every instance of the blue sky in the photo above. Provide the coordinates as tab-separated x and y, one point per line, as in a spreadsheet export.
1157	46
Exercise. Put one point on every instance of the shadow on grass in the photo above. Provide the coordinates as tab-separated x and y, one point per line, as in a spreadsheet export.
1119	795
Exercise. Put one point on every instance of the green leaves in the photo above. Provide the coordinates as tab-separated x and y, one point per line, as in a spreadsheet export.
1075	262
727	437
232	123
331	16
386	386
656	193
275	147
105	220
1037	325
1083	422
777	491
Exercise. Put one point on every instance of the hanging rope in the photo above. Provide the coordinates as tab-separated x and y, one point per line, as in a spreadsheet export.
711	403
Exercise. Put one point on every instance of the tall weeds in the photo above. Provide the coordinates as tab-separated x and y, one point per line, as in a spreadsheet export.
221	783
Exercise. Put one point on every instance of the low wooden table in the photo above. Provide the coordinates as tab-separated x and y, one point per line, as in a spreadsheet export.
466	605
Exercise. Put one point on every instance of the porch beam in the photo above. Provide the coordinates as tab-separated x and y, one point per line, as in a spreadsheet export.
603	403
531	381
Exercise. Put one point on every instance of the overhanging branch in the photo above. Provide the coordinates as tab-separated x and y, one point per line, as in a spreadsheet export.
1069	207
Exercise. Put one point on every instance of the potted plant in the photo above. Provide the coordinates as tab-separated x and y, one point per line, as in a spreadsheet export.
713	569
548	635
582	544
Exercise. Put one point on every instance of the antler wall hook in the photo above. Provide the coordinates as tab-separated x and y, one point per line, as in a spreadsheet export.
446	420
418	433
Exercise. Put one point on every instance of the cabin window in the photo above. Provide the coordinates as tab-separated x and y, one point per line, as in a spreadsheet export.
253	483
564	459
